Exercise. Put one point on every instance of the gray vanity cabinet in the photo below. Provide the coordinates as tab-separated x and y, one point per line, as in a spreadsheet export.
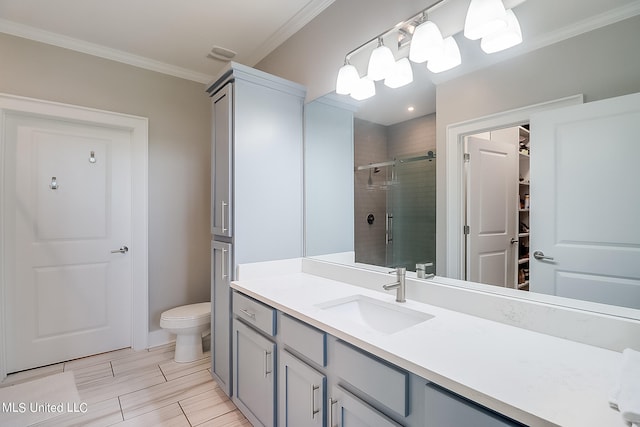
346	410
302	392
302	378
256	188
221	160
254	374
324	381
220	308
254	360
445	409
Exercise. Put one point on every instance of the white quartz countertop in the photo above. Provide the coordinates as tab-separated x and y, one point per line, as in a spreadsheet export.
534	378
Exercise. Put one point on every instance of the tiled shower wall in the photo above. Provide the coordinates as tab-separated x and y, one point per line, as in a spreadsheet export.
414	215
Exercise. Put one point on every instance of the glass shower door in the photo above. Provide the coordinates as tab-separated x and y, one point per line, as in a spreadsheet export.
413	202
397	199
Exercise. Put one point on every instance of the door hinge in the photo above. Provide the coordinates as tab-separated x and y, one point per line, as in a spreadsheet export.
465	229
466	157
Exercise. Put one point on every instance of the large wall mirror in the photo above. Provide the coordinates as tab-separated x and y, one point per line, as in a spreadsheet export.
374	168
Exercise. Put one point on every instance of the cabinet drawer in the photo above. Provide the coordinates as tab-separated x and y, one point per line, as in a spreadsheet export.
384	383
304	339
445	408
254	313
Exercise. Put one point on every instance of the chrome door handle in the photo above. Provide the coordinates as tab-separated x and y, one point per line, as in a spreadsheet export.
514	240
122	250
540	256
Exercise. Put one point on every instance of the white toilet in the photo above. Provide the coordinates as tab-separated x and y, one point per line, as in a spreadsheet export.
188	322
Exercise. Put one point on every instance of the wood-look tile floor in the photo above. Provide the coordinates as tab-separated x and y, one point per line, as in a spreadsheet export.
142	388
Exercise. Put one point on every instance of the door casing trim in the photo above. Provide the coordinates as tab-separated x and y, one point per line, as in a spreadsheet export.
139	128
455	188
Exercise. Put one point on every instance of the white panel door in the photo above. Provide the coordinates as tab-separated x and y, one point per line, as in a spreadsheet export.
587	202
492	188
68	294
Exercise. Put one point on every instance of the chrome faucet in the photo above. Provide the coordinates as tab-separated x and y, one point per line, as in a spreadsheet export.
399	285
421	270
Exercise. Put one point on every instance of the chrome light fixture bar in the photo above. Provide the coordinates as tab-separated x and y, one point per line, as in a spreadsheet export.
487	20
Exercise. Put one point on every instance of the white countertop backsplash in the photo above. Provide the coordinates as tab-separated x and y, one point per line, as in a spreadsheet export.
507	365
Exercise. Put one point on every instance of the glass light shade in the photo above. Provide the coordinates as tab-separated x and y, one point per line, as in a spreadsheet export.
505	38
484	17
381	63
425	43
364	88
448	59
402	74
347	79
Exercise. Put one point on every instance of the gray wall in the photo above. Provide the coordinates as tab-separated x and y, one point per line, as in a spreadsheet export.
179	152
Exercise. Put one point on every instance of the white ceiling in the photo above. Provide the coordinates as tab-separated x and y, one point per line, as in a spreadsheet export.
170	36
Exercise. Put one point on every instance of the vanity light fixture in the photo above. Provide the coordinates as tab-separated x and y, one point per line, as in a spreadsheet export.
485	19
381	62
401	75
426	43
347	79
363	89
504	38
448	59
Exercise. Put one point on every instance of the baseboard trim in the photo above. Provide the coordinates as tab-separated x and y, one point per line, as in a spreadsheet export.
160	337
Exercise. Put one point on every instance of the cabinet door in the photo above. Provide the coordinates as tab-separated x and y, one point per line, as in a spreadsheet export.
254	357
222	153
302	393
221	314
346	410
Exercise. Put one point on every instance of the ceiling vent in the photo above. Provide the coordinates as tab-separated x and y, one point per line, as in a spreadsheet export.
221	54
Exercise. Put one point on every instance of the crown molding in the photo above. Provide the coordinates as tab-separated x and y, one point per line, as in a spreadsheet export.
592	23
25	31
289	28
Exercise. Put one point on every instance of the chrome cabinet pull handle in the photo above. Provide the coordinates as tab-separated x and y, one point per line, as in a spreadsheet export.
222	217
331	403
248	313
540	256
224	270
314	411
266	363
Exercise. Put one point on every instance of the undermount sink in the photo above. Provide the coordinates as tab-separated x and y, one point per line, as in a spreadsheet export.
381	316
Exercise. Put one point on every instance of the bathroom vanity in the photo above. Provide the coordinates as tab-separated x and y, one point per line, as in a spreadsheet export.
319	344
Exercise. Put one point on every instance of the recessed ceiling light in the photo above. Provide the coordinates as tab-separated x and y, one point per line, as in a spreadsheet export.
221	53
410	109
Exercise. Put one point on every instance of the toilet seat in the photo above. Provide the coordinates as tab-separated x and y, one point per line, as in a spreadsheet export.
186	316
